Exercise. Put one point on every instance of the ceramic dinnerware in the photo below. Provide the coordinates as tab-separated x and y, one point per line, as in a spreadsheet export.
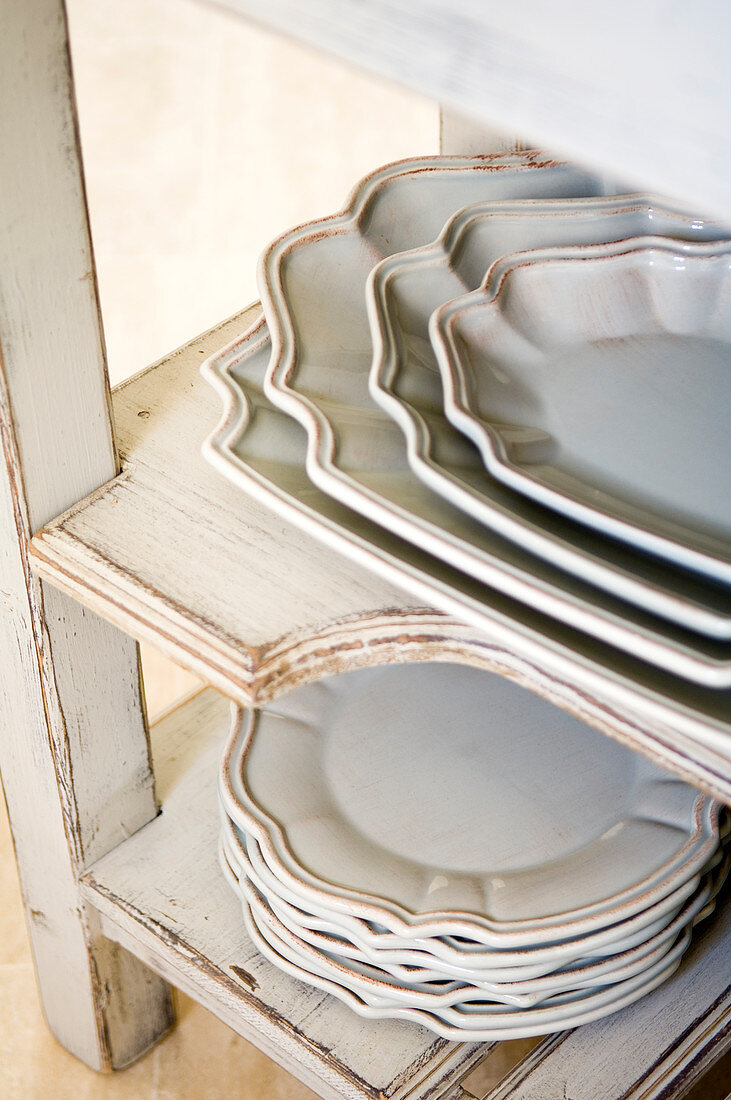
594	380
462	952
404	290
262	452
292	777
503	1029
523	992
318	374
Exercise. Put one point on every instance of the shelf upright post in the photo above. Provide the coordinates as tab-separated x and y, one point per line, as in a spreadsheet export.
461	135
74	749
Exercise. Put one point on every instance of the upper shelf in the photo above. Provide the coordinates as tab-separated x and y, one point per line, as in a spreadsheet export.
172	553
638	87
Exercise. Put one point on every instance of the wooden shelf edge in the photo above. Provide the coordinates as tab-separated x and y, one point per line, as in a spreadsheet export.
688	1055
195	976
253	678
173	554
250	674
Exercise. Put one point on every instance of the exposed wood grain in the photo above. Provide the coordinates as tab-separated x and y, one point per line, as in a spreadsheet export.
74	758
634	86
162	896
656	1048
174	554
74	753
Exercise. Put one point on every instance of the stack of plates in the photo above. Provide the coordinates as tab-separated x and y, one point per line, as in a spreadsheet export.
504	390
434	843
596	495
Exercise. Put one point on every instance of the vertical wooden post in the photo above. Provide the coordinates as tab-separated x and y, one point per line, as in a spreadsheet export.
460	135
74	751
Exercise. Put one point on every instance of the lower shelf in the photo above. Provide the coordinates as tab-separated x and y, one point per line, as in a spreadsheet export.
161	895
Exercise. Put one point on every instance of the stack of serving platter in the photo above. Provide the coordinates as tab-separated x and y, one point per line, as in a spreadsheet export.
499	383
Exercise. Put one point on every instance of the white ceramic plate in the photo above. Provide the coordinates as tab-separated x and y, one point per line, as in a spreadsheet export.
595	380
375	987
611	941
538	851
483	1028
458	953
262	451
521	992
313	291
404	290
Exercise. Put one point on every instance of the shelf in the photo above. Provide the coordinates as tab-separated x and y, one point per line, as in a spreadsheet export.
161	895
173	554
549	73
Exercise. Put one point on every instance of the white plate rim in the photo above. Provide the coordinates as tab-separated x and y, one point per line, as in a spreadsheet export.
681	657
255	819
459	398
575	558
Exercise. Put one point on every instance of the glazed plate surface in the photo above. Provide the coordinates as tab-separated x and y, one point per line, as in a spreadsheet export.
404	290
350	786
595	380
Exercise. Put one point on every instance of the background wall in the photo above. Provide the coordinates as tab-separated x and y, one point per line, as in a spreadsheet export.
204	137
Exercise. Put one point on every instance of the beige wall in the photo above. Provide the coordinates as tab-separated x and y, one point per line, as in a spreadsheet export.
204	138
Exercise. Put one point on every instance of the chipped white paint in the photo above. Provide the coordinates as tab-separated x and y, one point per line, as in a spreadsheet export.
73	751
162	895
174	554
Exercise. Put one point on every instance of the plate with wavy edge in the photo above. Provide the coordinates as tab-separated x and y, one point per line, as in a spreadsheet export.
520	359
371	984
292	776
405	964
405	289
456	952
319	375
466	959
498	1029
262	451
522	991
233	878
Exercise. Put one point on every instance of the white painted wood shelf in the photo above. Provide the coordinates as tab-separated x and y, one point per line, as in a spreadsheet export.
161	895
636	86
171	553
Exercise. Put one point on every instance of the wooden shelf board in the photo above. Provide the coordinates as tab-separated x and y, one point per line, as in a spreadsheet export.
549	73
173	554
654	1050
162	895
